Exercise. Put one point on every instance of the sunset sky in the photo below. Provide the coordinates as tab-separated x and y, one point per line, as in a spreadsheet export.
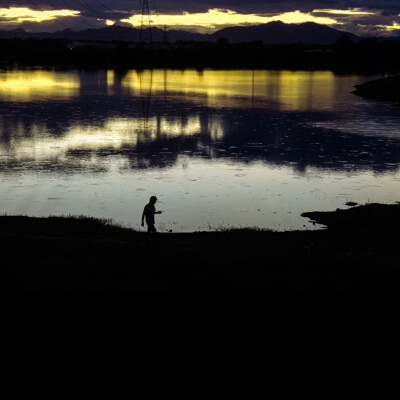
357	16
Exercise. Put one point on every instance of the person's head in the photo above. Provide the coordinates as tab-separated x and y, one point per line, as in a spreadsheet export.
153	199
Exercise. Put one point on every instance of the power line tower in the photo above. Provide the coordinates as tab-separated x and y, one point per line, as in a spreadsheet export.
145	23
165	34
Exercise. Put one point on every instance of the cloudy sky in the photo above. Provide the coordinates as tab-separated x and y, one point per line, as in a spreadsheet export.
368	17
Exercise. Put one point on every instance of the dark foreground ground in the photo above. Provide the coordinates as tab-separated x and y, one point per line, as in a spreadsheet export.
359	250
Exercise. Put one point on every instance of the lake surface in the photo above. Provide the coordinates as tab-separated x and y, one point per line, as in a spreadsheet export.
218	148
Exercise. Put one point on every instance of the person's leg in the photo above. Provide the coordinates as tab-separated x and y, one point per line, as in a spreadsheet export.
151	229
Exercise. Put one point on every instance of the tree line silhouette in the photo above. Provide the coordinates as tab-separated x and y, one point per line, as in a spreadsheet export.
368	55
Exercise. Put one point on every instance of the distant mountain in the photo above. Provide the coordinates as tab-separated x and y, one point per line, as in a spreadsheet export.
271	33
278	32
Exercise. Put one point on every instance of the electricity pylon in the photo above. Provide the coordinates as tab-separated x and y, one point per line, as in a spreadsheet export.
165	34
145	22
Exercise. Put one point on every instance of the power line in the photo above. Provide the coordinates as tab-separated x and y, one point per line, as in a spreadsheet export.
69	7
50	16
91	9
82	21
85	7
156	14
106	8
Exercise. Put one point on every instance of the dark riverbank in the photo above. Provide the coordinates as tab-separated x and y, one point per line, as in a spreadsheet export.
380	89
358	250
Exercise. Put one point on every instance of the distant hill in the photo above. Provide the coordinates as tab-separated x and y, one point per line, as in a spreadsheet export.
271	33
278	32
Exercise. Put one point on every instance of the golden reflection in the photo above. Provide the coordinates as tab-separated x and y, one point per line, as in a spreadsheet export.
216	18
303	91
110	81
114	134
289	90
34	85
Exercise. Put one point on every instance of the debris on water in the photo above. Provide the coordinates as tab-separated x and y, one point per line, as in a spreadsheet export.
351	204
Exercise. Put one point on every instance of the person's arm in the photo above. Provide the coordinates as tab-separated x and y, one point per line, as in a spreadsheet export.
143	217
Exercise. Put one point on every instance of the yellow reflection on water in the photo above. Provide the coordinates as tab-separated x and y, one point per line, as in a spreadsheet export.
284	90
302	90
114	134
37	85
289	90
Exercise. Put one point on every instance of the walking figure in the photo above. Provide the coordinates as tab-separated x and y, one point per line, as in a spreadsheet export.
148	213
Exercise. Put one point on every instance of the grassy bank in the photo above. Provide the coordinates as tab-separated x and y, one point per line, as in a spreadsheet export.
358	250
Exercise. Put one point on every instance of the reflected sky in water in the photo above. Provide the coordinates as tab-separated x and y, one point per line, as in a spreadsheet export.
218	148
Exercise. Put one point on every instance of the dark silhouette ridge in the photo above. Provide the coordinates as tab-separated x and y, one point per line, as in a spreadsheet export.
279	33
270	33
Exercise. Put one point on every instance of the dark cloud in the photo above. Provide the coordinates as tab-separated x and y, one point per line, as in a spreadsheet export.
389	13
275	6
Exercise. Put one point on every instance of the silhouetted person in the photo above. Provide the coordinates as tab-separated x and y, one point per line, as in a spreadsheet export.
148	213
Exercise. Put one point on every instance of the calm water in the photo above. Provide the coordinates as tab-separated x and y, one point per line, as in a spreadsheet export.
218	148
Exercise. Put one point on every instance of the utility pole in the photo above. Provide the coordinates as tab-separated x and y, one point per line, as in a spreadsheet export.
165	34
145	22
